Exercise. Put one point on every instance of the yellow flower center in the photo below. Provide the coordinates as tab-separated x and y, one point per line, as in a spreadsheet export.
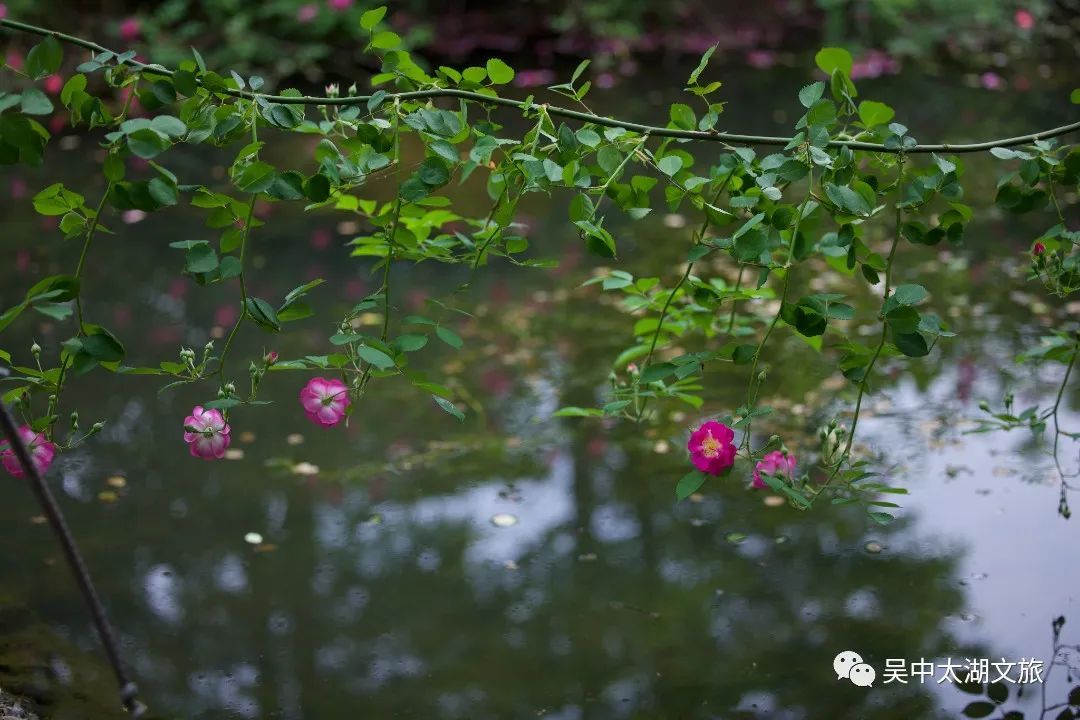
710	447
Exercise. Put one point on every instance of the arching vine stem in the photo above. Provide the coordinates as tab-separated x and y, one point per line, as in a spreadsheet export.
653	130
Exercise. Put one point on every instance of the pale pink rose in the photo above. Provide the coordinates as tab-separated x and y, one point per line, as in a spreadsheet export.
206	433
325	401
774	463
41	450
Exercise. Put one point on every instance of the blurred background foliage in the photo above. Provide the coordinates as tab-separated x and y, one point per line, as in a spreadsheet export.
316	41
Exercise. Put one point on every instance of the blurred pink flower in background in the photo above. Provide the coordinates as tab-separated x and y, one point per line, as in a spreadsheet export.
130	28
874	63
3	11
355	288
534	78
320	238
122	316
178	288
760	59
18	188
307	13
53	84
14	59
991	81
340	5
41	452
1024	19
225	315
417	298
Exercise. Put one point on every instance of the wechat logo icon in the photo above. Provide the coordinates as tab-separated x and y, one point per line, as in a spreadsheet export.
849	665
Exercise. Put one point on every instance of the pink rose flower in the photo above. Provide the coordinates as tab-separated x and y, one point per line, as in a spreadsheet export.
130	28
774	463
207	433
1038	249
41	450
325	400
711	449
1024	19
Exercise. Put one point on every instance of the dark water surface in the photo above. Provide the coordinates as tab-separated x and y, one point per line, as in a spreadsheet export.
516	565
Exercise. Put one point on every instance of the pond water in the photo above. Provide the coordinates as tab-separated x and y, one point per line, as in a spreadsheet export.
517	565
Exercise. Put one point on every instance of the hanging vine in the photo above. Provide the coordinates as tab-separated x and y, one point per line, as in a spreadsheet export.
849	186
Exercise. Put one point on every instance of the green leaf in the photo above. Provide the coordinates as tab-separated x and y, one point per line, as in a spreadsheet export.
44	58
103	347
433	172
499	72
702	64
222	403
372	17
317	188
749	246
811	94
474	74
657	372
1074	96
296	311
873	113
670	164
57	311
169	125
911	344
448	406
847	199
683	117
411	343
573	411
376	357
834	58
35	102
689	484
262	313
903	319
201	258
113	168
255	177
979	709
298	292
385	40
147	143
909	294
449	337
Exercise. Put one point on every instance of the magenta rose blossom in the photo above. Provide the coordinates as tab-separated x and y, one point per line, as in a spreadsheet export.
41	450
711	449
325	400
207	433
774	463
